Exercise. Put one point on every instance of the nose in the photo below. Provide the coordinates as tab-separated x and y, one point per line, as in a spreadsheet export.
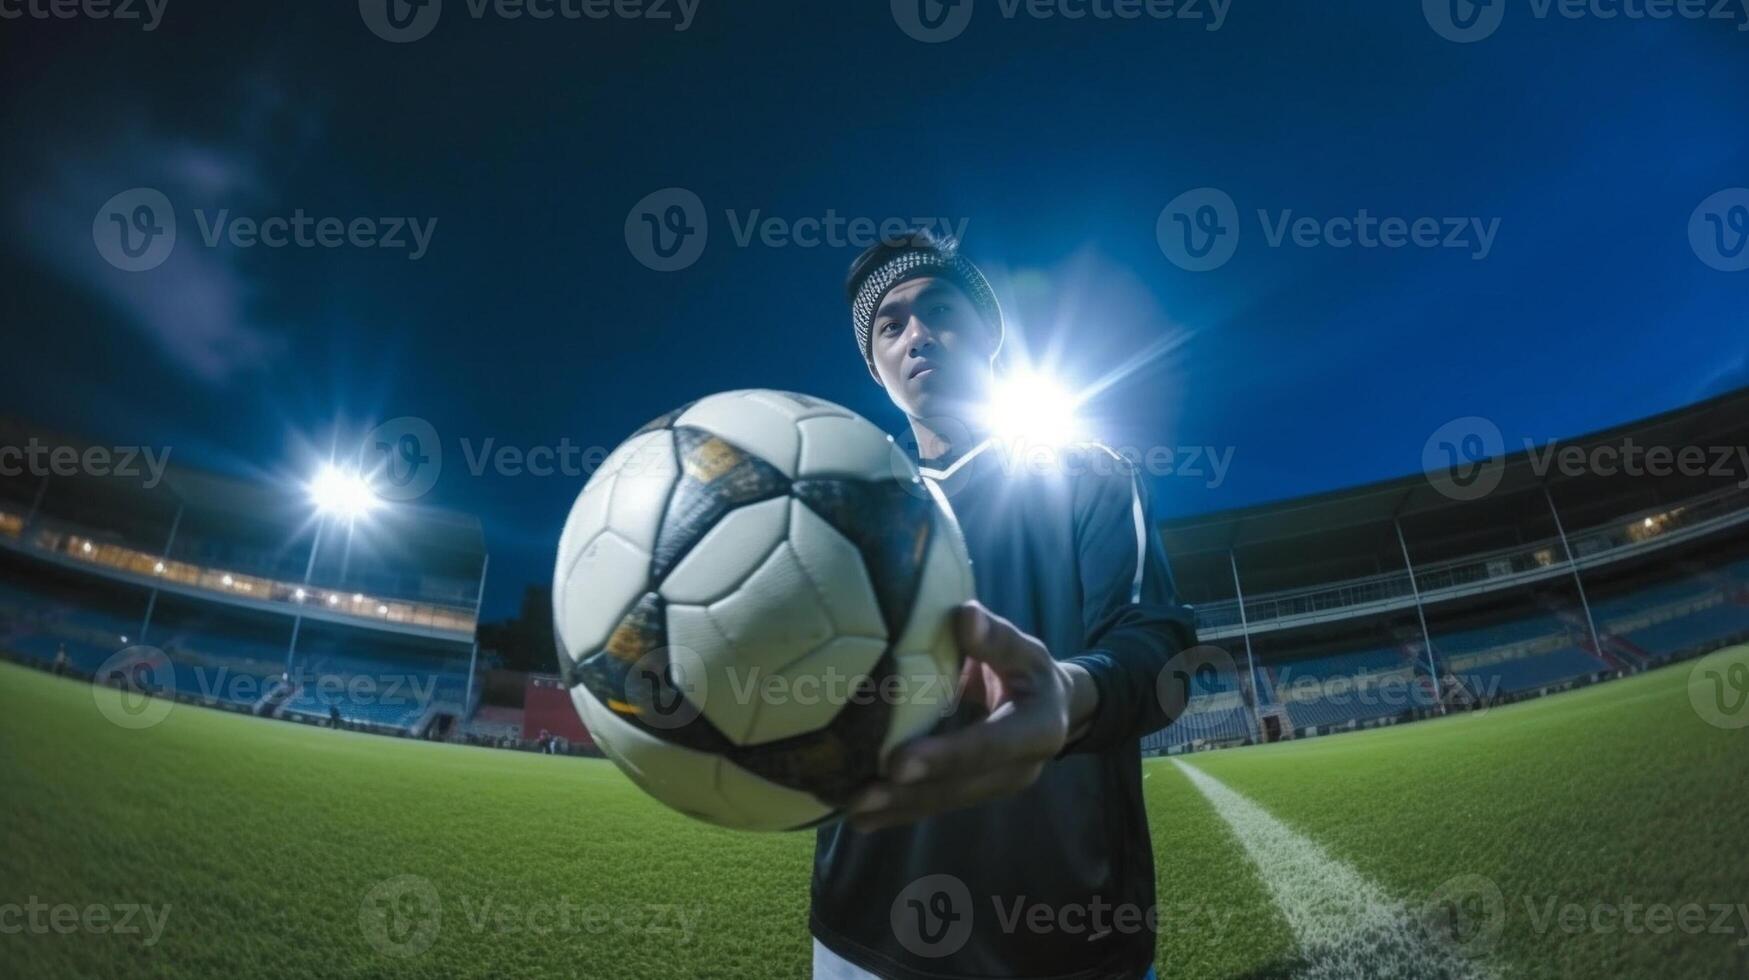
918	337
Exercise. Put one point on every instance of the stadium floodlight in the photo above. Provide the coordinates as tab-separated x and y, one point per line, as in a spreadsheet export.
1034	409
301	595
342	493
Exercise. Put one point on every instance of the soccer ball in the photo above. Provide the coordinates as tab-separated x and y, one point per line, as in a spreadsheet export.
752	604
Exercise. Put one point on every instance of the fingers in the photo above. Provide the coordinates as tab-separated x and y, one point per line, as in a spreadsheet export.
890	805
1016	732
1000	755
985	636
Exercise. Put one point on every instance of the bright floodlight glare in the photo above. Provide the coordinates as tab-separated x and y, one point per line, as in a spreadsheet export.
342	493
1033	409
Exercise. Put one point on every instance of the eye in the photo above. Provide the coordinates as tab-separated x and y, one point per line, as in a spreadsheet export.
888	327
941	309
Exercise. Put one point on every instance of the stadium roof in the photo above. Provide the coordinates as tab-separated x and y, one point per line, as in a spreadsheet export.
268	507
1350	532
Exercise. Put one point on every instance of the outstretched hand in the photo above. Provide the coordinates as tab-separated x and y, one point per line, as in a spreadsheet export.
1027	697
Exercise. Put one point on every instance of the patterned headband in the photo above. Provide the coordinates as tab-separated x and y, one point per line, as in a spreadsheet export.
911	265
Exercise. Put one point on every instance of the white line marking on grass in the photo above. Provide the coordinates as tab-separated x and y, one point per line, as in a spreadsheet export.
1346	926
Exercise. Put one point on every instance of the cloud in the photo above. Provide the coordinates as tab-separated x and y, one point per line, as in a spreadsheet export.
196	306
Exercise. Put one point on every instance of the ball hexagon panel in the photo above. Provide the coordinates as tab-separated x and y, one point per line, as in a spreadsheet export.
642	484
776	617
755	426
716	476
795	407
605	577
728	553
806	695
587	519
847	447
724	703
890	528
838	574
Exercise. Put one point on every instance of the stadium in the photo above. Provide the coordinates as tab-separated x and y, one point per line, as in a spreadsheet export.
1459	711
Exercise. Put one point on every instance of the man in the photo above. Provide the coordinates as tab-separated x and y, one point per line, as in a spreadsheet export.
940	869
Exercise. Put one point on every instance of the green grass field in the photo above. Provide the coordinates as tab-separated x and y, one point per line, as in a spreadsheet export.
267	849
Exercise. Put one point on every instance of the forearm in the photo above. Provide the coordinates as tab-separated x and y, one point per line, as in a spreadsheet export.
1083	699
1123	672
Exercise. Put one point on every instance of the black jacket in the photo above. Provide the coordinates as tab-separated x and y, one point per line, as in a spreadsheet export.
1057	881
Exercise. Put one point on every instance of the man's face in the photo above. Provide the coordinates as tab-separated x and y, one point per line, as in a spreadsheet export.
932	350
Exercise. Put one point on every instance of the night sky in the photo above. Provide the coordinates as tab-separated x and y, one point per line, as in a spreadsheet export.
1587	144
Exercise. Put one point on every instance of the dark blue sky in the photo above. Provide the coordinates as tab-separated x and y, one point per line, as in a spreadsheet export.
529	320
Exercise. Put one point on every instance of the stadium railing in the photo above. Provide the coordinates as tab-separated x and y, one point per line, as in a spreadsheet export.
81	547
1622	538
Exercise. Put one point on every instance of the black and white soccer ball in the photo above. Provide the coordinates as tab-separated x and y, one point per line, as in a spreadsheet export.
752	603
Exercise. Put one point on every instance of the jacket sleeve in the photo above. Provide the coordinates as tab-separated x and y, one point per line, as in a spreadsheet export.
1133	620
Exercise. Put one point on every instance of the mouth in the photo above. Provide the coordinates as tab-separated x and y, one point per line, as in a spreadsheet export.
921	369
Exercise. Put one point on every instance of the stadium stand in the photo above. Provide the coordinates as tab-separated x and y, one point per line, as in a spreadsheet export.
240	589
1541	580
1328	692
1215	713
